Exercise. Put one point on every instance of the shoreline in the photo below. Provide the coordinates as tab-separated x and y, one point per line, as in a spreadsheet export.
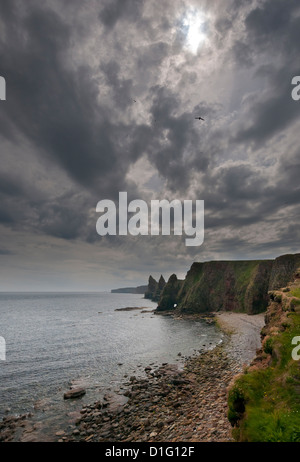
244	331
169	404
175	406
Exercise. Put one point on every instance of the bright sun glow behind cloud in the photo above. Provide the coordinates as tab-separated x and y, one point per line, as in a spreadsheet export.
194	23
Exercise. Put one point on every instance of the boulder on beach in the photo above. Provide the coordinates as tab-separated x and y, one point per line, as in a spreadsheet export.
75	393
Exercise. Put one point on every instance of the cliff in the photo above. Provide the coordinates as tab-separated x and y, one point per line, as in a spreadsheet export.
170	294
240	286
264	401
154	288
130	290
283	270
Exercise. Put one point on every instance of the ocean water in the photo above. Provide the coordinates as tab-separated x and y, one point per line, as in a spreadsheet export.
55	339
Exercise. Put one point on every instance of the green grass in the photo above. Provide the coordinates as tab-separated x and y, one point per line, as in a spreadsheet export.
295	292
277	425
268	347
244	272
268	400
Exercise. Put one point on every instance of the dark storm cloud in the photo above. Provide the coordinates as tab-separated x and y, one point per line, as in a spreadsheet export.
289	168
250	196
270	115
272	30
173	147
275	23
240	195
14	197
122	88
5	216
114	10
234	195
243	54
10	185
66	218
56	108
53	106
152	56
6	252
73	73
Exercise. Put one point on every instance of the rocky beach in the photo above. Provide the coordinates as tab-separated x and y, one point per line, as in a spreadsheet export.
169	403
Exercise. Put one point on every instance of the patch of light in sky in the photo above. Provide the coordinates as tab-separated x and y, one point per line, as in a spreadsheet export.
194	22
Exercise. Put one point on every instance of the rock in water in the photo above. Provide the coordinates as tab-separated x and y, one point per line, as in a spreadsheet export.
75	393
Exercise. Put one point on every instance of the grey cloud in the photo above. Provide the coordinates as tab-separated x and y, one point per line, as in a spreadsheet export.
70	98
273	27
10	186
223	25
273	112
66	217
243	54
271	21
152	56
271	36
122	88
271	31
5	216
120	9
6	252
174	145
240	195
54	107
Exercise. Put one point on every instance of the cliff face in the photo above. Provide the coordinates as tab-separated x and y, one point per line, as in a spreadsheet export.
283	270
154	288
228	285
151	288
169	294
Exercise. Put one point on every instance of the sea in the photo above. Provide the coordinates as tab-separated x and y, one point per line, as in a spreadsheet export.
57	340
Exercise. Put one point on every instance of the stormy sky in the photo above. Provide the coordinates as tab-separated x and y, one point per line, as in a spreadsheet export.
102	97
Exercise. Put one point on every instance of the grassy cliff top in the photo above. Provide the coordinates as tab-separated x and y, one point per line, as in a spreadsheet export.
264	402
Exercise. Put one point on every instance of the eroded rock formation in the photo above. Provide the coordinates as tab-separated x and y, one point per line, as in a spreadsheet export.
240	286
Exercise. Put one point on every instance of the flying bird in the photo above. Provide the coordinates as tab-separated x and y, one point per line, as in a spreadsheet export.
199	118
